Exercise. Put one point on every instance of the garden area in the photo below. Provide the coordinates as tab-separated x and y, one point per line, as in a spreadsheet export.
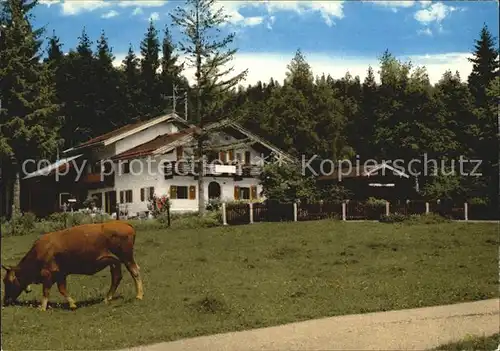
200	281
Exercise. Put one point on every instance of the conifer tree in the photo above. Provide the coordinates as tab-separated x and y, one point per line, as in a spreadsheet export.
150	63
131	92
197	21
485	66
29	115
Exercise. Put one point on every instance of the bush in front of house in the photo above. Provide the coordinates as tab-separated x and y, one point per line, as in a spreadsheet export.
393	218
430	218
28	223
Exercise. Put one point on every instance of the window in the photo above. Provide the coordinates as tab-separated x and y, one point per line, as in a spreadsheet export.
125	196
231	155
238	157
147	193
126	168
245	193
247	157
183	192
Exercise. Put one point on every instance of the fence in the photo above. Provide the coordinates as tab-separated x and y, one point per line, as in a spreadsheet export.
234	214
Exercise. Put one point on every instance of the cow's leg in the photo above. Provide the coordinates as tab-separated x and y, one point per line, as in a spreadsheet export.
61	285
46	285
116	277
133	269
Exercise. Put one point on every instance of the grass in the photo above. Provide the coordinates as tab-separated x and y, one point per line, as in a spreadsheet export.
204	281
474	343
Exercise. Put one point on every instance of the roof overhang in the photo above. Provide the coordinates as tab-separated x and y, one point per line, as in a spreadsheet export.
114	139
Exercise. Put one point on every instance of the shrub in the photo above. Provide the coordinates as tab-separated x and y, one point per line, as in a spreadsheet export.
159	205
393	218
211	219
478	201
430	218
214	205
374	202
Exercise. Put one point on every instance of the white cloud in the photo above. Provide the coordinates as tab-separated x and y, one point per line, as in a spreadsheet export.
75	7
434	13
394	4
425	3
155	16
327	9
263	66
271	22
253	21
137	11
48	3
110	14
141	3
425	31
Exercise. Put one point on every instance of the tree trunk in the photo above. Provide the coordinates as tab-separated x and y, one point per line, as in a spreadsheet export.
201	185
16	196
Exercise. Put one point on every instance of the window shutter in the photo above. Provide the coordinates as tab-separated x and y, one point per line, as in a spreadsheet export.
253	192
142	194
222	156
151	192
122	200
129	196
231	155
173	192
236	192
192	192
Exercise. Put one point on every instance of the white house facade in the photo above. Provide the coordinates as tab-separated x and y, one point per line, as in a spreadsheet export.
126	167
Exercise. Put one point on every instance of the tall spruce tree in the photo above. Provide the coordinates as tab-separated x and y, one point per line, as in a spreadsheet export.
131	92
482	78
485	66
150	63
208	54
29	115
107	88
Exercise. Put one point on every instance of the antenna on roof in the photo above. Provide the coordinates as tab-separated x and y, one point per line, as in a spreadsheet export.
174	88
186	105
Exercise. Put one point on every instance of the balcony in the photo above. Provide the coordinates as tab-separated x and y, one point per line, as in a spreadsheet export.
93	180
227	169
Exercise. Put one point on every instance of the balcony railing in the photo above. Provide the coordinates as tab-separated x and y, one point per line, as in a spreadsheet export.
93	180
226	170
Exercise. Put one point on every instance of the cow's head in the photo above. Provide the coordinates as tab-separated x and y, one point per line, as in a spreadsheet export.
13	285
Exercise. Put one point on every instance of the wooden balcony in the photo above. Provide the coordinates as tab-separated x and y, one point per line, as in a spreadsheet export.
93	180
188	169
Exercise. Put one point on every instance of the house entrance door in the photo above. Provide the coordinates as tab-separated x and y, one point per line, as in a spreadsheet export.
110	201
214	190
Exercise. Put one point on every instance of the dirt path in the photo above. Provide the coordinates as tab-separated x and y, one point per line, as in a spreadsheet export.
413	329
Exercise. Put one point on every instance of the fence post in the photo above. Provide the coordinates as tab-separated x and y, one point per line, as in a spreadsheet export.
224	218
387	205
250	205
295	212
344	211
466	211
427	208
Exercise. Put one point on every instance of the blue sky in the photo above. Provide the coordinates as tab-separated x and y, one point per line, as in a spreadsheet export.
336	36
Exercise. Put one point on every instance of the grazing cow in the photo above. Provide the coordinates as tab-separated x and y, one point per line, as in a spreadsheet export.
84	249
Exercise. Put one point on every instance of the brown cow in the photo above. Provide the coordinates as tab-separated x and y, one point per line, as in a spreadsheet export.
85	249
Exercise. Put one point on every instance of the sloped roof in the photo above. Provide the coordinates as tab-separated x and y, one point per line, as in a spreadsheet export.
132	128
148	148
